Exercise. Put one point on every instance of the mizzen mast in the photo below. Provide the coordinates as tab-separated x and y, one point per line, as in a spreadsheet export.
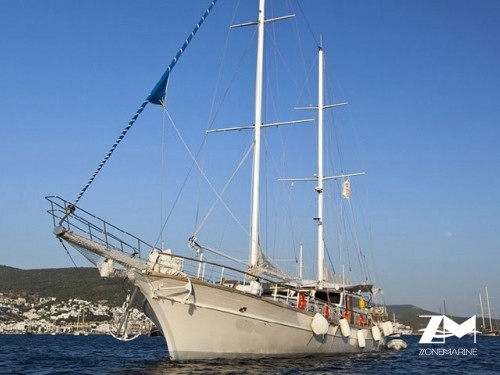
320	177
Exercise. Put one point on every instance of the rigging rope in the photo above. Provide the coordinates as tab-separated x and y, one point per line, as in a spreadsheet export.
70	257
112	149
202	172
214	110
219	196
157	96
162	178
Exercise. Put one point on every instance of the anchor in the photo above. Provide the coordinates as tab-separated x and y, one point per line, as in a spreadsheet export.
119	330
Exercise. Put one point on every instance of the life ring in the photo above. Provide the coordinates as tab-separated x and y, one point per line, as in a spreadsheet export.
346	315
302	302
361	320
326	312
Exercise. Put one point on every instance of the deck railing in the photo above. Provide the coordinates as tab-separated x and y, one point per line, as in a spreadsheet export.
104	233
95	228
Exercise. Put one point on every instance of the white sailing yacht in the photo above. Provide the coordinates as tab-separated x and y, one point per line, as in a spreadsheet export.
484	330
211	310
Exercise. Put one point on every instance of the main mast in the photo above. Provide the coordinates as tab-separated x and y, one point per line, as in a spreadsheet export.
257	128
254	233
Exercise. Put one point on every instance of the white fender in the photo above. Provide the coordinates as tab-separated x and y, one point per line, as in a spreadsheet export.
384	328
387	328
391	327
107	268
376	333
319	324
344	327
361	338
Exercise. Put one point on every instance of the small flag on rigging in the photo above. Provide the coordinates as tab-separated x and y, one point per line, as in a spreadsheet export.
346	189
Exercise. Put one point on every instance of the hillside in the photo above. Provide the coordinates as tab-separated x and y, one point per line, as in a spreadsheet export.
62	283
409	315
86	284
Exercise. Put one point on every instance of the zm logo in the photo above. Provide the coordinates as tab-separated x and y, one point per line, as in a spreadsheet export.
448	328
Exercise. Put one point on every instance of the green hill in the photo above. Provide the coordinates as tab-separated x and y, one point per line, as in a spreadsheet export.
86	284
62	283
409	315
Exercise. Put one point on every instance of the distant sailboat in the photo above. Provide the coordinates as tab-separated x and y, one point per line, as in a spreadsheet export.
80	328
485	331
211	310
76	329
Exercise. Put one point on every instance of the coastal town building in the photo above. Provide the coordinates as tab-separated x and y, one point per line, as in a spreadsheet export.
31	314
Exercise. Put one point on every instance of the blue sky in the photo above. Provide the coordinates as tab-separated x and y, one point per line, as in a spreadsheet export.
422	80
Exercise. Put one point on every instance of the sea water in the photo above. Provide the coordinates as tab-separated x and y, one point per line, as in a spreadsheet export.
98	354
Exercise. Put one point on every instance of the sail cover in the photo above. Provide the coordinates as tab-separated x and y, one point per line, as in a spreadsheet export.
157	95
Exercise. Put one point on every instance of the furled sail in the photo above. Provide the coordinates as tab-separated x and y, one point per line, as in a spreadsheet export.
265	267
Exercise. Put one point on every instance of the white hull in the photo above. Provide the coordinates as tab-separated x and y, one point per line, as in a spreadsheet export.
220	322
